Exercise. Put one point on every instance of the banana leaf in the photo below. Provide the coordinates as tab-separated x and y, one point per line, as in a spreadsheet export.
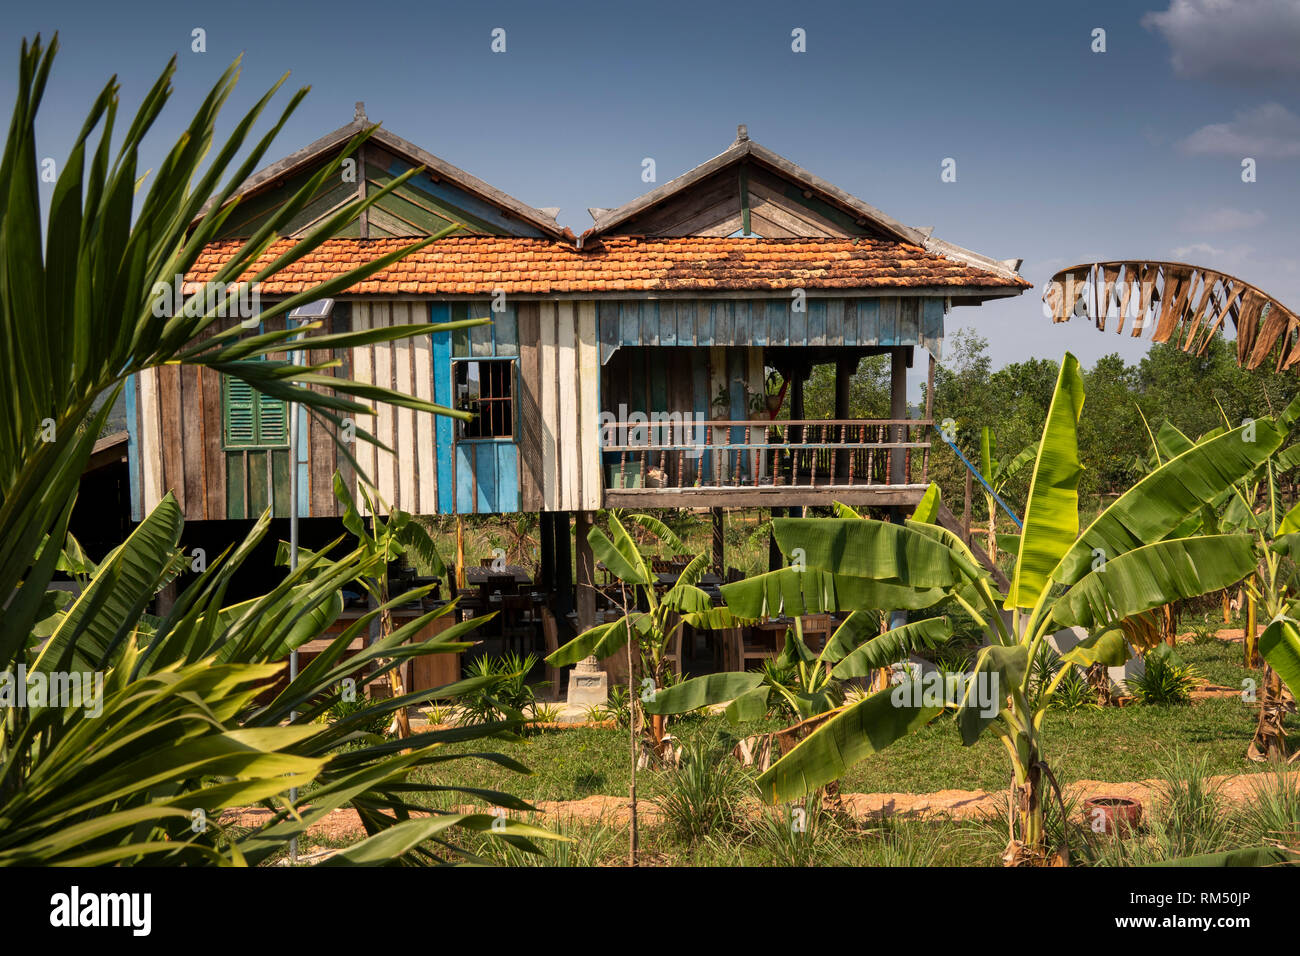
1052	511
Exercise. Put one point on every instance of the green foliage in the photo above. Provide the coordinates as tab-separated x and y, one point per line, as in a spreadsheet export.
703	794
1165	678
369	722
504	693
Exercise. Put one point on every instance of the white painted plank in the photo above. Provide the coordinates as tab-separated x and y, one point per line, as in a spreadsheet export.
364	360
567	368
151	438
428	463
550	406
406	452
589	492
386	466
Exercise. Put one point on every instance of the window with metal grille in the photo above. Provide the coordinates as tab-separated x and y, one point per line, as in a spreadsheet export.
252	419
486	387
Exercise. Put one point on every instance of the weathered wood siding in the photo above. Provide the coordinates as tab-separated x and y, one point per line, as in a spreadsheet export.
407	477
177	445
882	321
560	406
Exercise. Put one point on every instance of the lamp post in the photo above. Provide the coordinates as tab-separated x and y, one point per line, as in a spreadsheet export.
320	309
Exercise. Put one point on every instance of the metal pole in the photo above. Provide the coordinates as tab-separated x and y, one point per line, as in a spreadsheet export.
293	564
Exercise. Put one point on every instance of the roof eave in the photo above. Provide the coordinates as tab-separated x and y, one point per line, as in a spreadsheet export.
343	134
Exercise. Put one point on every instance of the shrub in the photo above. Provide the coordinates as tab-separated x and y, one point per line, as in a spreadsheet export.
509	690
1165	678
703	794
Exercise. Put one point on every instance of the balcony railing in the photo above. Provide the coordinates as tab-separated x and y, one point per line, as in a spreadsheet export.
751	454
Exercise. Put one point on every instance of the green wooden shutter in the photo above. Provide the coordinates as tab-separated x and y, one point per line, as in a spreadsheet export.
253	420
272	421
241	421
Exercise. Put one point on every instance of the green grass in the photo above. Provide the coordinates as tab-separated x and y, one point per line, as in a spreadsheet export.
1113	744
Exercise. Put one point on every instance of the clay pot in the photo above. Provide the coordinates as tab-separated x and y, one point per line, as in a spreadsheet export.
1113	815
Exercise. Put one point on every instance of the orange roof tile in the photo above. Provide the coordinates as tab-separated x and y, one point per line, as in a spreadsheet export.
480	265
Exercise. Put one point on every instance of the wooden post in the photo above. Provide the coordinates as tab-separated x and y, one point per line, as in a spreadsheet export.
796	431
546	544
775	559
898	409
563	565
586	570
719	557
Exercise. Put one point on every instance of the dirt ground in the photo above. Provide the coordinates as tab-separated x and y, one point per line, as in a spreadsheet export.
344	825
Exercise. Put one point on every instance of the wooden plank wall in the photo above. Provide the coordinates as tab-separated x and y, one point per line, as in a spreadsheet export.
885	320
408	477
560	407
180	448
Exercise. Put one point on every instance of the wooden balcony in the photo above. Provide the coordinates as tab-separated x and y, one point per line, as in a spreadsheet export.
697	464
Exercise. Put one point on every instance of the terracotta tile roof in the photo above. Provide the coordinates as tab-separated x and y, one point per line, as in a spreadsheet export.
478	265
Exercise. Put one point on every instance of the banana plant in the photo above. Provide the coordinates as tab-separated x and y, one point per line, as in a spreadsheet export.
856	649
387	539
1104	580
997	474
653	629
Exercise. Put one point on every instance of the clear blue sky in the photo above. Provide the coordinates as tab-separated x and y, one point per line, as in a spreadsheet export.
1063	155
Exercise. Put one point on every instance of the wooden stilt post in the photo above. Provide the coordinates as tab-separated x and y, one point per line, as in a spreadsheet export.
775	560
719	557
898	409
563	565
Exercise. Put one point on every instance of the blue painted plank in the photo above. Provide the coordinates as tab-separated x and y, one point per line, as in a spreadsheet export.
700	390
778	322
850	322
466	465
909	321
440	312
704	323
630	322
868	321
834	322
742	326
687	312
668	322
133	452
505	332
724	322
507	478
889	320
736	369
650	323
304	463
816	321
485	466
798	323
932	325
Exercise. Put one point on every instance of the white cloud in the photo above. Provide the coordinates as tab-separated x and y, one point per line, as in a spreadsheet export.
1270	130
1243	42
1204	254
1224	219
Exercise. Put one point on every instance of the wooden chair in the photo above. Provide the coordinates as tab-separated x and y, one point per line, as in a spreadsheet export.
517	621
817	630
759	643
